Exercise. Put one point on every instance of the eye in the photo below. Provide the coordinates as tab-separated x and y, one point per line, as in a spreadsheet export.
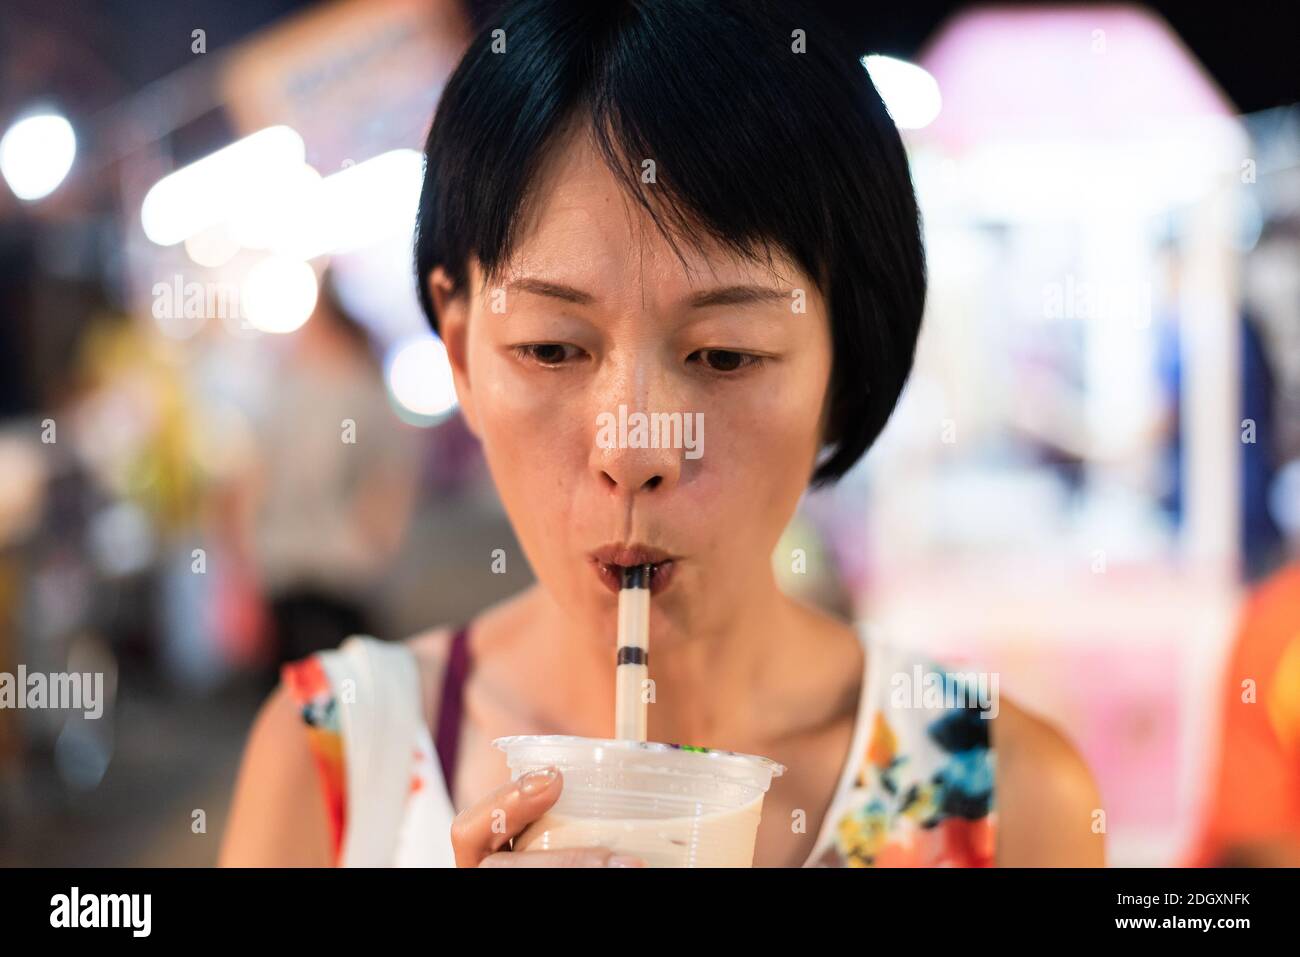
546	353
725	361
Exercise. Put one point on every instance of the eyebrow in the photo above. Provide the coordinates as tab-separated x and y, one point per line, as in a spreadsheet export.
736	296
722	296
552	290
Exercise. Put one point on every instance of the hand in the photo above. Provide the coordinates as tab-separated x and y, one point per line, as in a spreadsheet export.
477	844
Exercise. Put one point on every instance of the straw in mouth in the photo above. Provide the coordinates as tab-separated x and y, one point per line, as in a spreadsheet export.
632	666
637	576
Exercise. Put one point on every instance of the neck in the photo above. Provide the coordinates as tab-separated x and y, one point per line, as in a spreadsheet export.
709	675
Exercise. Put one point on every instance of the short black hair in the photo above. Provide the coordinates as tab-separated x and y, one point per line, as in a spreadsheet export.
757	144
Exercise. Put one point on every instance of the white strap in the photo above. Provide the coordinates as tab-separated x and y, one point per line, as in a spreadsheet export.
377	687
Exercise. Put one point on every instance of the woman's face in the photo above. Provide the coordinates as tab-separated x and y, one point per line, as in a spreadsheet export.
596	320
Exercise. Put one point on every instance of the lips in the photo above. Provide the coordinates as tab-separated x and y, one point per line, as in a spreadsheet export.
609	561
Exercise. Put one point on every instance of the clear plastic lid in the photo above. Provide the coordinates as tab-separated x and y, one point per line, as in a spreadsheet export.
538	750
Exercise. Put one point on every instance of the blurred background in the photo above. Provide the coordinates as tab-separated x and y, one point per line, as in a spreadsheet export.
205	222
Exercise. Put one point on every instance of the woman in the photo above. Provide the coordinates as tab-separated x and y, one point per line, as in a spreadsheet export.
686	207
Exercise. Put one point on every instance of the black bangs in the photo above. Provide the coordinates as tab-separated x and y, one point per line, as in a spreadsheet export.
739	122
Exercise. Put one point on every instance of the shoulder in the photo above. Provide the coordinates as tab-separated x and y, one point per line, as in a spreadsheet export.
1049	809
493	636
278	816
827	663
431	649
288	806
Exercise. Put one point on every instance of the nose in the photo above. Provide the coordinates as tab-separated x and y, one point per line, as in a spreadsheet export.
633	470
634	451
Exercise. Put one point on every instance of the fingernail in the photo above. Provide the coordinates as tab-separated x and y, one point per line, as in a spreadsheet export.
622	860
534	782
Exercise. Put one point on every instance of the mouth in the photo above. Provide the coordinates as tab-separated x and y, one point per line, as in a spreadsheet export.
609	561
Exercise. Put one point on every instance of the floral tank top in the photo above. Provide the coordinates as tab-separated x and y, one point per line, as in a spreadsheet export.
917	789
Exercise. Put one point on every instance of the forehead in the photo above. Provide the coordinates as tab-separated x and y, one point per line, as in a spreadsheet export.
581	224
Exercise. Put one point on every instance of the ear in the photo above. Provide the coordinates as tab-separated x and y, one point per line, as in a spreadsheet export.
453	307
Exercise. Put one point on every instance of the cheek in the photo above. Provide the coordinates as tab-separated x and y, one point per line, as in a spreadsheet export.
761	443
531	441
516	418
770	429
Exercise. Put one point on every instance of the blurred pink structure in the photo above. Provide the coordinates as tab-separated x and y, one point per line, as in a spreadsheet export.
1107	72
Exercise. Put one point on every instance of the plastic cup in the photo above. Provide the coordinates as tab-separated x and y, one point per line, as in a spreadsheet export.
670	805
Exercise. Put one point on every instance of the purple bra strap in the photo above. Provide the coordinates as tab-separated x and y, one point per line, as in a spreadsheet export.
447	738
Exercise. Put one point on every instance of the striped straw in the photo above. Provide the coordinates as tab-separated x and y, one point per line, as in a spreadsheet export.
633	654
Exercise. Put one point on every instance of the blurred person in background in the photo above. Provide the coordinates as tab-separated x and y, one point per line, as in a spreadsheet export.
332	486
1253	815
677	291
1262	539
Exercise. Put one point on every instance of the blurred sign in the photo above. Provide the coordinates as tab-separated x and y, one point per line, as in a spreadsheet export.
356	78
